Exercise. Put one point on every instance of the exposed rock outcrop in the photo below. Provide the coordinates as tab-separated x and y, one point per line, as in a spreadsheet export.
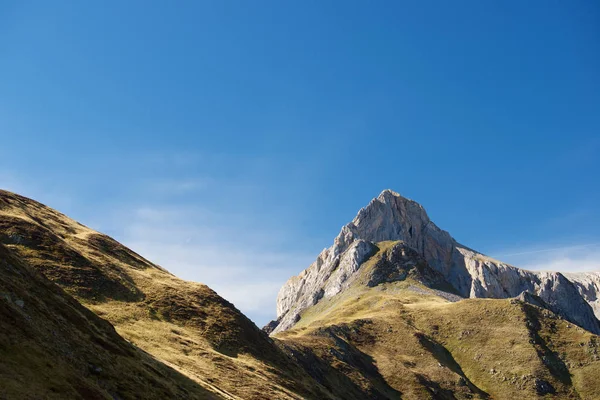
472	274
588	284
400	262
326	277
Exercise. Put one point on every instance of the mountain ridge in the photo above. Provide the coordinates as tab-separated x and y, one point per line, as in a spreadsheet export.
474	275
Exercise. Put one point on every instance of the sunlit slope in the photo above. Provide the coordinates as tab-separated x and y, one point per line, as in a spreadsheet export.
184	324
424	344
51	347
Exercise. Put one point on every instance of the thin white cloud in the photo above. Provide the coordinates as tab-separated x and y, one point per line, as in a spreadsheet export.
200	229
246	265
573	258
550	250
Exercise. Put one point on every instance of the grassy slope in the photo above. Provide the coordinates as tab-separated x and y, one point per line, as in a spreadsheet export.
426	347
52	347
184	324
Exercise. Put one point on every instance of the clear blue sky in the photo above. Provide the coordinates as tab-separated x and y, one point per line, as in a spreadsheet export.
230	140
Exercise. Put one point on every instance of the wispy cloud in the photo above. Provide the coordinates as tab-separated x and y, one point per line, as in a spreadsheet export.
550	250
246	266
230	233
571	258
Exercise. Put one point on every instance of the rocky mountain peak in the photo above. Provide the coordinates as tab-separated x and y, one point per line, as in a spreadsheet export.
386	215
386	195
392	217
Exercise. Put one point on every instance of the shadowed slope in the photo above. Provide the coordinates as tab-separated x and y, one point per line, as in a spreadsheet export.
52	347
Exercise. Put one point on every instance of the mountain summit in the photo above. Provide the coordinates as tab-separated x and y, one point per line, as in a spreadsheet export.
469	274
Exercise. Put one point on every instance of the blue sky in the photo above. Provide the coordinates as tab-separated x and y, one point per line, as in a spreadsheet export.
230	141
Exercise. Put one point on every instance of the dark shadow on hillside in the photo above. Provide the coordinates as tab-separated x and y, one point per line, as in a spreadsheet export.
445	358
63	264
342	352
549	358
61	348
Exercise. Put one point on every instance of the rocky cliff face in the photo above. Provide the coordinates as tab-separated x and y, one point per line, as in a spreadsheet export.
472	274
588	284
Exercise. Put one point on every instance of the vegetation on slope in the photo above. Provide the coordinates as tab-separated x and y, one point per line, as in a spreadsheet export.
184	324
51	347
424	346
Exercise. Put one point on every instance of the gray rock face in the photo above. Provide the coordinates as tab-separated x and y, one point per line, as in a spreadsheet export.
588	285
472	274
326	277
532	299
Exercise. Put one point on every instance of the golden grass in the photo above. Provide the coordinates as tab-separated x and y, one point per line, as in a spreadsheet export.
51	347
425	346
183	324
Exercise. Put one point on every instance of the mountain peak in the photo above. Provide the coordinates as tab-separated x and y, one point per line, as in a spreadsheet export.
392	217
387	193
389	216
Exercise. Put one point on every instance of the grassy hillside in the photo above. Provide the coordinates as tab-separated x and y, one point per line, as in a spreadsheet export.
51	347
185	325
424	346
